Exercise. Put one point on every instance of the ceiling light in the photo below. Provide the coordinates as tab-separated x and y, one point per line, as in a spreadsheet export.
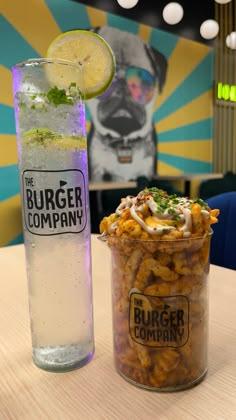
231	40
209	29
222	1
173	13
127	4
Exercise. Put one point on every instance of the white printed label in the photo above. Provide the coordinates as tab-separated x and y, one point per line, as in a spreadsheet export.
54	202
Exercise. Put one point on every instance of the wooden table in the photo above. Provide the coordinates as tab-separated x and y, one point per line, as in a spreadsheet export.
187	178
96	391
100	186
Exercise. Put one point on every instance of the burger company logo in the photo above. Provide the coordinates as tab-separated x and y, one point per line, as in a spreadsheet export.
159	321
54	201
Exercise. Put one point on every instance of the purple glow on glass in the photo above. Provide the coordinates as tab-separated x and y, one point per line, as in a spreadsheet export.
17	81
80	108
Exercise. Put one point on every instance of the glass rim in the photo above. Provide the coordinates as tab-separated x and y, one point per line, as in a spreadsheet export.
40	61
104	237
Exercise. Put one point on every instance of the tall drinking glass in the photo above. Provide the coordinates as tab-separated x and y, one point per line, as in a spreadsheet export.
52	153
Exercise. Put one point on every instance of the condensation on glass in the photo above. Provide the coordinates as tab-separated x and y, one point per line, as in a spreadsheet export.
53	170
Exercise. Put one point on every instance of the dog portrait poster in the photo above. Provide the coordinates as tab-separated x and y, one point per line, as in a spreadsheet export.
122	142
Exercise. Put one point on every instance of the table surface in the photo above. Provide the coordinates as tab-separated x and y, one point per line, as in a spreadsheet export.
188	177
96	391
97	186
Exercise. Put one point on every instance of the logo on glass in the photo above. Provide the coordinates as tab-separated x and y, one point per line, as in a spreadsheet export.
159	321
54	201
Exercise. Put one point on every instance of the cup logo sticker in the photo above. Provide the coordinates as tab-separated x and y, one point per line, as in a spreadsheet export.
54	202
159	321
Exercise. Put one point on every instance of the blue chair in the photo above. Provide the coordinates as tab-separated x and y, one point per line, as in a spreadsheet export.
223	241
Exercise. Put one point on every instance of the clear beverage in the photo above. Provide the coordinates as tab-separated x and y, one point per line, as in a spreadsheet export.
56	219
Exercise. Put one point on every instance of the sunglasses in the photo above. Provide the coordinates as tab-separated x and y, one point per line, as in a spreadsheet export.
140	84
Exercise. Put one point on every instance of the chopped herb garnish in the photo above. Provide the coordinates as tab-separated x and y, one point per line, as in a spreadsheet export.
21	104
200	202
41	135
171	211
27	77
58	96
155	190
165	230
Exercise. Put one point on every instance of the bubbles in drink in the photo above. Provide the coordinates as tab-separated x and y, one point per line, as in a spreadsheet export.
54	179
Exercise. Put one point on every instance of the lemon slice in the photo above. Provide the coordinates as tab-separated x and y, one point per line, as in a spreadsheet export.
89	50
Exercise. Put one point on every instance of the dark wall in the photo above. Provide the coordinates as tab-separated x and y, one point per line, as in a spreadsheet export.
149	12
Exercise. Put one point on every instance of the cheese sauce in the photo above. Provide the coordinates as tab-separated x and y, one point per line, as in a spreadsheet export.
163	208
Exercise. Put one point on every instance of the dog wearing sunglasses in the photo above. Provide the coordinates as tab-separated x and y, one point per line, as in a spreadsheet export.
122	142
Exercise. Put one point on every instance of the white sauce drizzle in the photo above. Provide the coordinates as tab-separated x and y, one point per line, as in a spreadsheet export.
125	204
180	209
205	214
187	227
113	226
